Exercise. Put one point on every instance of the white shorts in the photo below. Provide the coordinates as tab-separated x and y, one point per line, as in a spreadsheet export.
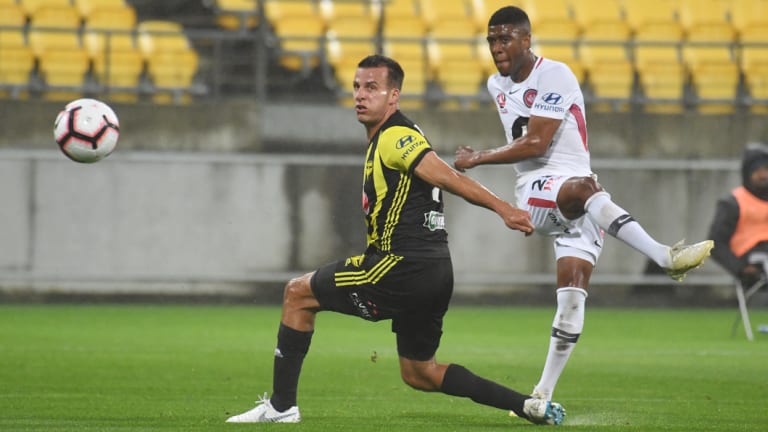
581	238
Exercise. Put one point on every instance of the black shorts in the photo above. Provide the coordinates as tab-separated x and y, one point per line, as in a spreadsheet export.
413	292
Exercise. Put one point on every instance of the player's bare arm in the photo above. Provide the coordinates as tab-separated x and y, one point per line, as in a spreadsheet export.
438	173
541	130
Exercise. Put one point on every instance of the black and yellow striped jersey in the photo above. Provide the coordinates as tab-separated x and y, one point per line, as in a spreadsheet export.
404	214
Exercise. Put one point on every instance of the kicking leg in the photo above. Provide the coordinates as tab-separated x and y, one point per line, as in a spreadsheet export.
581	195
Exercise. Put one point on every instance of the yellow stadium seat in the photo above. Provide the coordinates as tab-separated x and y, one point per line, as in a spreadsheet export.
661	76
716	86
609	71
119	73
64	72
237	14
702	18
16	65
754	64
662	86
336	9
436	12
749	16
31	7
350	38
654	20
401	8
462	81
300	27
276	10
300	41
171	62
455	29
756	78
172	73
601	20
111	18
109	28
12	15
160	35
13	20
54	28
353	27
86	7
552	20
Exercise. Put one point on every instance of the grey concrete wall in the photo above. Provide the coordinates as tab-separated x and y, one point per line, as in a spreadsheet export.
198	199
218	219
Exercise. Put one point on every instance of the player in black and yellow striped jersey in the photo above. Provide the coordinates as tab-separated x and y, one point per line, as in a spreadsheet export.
405	274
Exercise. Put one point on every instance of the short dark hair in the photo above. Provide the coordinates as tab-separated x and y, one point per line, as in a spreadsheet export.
395	74
510	15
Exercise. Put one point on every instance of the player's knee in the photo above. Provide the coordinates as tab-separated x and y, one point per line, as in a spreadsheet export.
418	380
575	193
295	291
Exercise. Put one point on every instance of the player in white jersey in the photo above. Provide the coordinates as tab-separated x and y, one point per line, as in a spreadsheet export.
542	109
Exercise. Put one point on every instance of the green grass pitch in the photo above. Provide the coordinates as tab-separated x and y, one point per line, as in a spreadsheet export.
187	368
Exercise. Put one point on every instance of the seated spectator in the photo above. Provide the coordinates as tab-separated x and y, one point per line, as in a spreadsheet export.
740	224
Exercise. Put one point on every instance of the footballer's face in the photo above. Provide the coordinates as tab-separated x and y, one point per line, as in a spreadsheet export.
375	100
759	179
509	47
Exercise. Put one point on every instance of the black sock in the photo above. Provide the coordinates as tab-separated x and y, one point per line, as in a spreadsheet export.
459	381
292	346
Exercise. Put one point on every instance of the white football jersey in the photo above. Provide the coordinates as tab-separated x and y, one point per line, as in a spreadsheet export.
551	90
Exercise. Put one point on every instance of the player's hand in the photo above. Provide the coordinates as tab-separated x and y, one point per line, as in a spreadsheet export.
463	155
517	219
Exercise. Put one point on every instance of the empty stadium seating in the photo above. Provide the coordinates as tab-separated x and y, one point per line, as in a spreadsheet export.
171	61
54	37
237	14
601	20
16	66
610	72
665	54
661	76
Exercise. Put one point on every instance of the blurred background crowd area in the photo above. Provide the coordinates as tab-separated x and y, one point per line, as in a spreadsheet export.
667	56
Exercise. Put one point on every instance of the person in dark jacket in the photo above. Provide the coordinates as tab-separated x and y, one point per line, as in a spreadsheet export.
740	224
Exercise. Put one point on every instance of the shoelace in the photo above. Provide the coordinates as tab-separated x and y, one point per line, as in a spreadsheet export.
262	399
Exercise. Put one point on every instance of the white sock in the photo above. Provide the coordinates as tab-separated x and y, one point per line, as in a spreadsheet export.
618	223
566	328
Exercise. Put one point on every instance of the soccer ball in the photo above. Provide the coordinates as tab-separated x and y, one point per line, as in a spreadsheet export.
86	130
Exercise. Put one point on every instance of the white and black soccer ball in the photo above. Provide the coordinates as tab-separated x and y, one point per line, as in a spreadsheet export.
86	130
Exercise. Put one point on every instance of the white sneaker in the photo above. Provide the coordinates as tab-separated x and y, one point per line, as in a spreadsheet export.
541	411
265	413
687	257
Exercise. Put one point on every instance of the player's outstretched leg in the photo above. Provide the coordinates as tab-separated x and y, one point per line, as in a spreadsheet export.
677	260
